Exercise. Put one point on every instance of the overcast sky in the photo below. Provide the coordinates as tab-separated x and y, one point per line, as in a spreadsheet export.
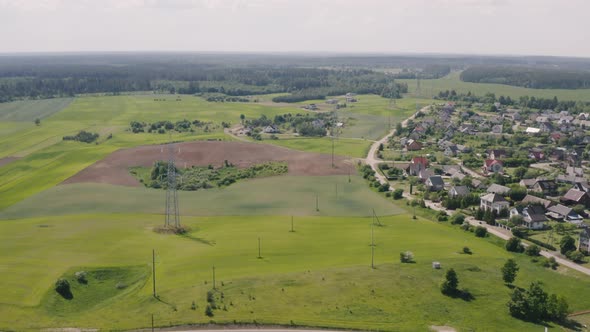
535	27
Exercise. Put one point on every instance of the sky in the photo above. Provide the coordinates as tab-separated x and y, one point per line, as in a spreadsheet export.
518	27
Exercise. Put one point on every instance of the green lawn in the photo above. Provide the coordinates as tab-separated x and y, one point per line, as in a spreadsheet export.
29	110
453	82
348	147
278	195
319	275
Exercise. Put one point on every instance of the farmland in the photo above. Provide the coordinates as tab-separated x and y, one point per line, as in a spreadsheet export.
323	264
453	82
65	209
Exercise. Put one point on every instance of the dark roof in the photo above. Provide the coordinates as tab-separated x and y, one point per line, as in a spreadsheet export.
547	184
560	209
536	213
436	180
461	190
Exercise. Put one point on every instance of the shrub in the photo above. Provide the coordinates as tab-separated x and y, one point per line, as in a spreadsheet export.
398	194
209	311
576	256
551	262
466	250
62	286
514	245
481	231
193	306
406	257
457	219
567	244
509	271
532	250
81	277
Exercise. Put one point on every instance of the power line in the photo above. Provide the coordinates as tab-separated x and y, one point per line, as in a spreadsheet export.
172	214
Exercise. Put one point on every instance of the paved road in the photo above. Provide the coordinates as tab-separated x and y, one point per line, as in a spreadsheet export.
372	159
505	234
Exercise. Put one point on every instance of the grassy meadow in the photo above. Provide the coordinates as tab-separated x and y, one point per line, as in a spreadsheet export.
453	82
319	275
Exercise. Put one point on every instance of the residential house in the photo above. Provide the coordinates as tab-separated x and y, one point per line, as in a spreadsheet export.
476	183
547	187
493	166
537	154
569	179
417	164
582	186
451	151
532	215
527	183
546	127
575	197
332	101
451	169
563	213
497	129
413	145
530	199
493	202
497	154
270	129
532	130
424	174
435	183
498	189
458	191
583	116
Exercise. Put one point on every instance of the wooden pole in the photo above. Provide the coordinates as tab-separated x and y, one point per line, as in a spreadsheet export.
154	270
152	322
317	203
214	277
259	256
292	229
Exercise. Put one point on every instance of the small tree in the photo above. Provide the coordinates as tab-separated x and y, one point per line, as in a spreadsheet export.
242	118
450	284
398	193
209	311
576	256
481	231
62	286
514	245
37	121
457	219
532	250
466	250
509	271
567	244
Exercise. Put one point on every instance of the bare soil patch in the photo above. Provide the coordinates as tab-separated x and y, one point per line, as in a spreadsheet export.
114	169
7	160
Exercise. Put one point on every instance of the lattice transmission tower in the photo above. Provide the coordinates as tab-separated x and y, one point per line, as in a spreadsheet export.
172	215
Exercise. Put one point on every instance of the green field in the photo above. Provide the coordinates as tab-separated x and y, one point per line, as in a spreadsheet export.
319	275
279	195
453	82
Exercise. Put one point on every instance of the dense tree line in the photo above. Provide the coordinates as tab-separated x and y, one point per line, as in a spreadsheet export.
528	77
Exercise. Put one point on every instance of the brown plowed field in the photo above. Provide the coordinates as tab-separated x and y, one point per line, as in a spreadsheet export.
114	169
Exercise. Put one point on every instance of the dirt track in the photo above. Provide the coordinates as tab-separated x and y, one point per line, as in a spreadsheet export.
114	169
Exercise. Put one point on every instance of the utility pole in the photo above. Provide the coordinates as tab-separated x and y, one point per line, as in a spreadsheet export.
317	202
332	149
154	271
336	185
372	248
152	322
292	229
259	256
214	277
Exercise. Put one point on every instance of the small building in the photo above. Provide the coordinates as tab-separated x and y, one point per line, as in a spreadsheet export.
497	154
532	215
575	197
527	183
270	130
436	265
530	199
493	166
498	189
547	187
563	213
451	151
458	191
435	183
413	145
532	131
493	202
417	164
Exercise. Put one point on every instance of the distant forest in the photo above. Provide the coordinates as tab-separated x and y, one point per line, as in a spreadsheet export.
528	77
303	76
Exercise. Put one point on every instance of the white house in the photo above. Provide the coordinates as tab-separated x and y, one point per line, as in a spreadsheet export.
532	215
493	202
